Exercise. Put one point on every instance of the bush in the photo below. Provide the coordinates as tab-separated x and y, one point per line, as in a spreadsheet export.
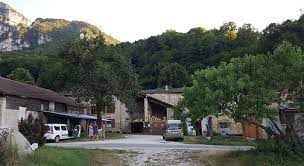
33	129
3	146
280	148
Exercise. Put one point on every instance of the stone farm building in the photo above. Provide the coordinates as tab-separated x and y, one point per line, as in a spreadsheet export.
152	108
155	106
18	100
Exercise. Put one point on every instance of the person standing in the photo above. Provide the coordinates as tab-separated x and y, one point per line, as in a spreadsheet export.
95	131
103	131
90	131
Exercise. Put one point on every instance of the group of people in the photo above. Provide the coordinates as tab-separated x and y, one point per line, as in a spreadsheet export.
94	132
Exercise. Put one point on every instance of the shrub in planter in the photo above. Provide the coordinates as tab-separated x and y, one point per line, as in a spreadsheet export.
33	129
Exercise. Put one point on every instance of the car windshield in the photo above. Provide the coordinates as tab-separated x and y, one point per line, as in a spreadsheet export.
173	126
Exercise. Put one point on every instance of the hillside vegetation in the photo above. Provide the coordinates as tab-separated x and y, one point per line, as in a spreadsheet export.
167	59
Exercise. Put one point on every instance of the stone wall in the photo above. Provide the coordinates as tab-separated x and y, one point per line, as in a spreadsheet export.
122	117
232	128
171	98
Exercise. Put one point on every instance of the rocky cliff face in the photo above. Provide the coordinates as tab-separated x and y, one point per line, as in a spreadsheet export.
18	33
12	24
12	17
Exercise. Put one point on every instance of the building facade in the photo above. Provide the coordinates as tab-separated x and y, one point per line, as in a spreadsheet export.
18	100
154	107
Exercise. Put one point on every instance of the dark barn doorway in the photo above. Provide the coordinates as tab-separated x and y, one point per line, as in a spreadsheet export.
137	127
198	128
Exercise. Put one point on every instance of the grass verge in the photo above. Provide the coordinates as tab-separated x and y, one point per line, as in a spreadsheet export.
47	156
218	140
247	158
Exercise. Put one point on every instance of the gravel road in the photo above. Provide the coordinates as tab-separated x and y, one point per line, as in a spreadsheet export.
152	150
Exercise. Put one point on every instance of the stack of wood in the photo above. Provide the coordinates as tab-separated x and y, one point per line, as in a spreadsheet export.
154	118
137	120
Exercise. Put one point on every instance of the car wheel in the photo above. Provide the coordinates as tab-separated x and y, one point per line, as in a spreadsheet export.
57	139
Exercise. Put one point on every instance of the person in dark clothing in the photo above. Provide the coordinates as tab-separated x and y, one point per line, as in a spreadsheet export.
95	131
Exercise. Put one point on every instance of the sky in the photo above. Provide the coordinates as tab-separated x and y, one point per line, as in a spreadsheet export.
131	20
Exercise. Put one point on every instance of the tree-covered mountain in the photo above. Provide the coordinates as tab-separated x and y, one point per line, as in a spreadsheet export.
200	48
167	59
18	33
197	49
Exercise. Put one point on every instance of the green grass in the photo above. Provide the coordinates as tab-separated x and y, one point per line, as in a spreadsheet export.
248	158
219	140
114	135
46	156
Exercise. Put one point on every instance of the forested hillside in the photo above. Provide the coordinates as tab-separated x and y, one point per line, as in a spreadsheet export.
167	59
155	59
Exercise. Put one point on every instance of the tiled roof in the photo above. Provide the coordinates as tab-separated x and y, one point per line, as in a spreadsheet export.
14	88
153	91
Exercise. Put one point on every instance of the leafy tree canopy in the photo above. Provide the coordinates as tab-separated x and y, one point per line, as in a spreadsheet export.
97	70
22	75
173	75
245	88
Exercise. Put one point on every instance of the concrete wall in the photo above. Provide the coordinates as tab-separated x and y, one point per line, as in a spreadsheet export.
2	111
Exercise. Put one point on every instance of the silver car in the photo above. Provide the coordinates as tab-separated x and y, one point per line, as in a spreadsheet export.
173	131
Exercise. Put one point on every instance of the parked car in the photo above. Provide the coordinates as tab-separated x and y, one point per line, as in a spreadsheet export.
172	130
57	132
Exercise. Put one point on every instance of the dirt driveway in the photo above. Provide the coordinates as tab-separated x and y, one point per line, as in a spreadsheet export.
151	150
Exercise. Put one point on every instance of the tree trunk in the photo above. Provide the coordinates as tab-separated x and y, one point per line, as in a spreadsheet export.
100	109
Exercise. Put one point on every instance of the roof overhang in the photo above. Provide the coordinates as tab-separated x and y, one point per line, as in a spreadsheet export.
156	101
72	115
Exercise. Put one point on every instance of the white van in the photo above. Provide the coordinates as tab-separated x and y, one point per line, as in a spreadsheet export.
57	132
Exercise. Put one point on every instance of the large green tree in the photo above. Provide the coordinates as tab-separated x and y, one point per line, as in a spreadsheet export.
245	88
98	71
